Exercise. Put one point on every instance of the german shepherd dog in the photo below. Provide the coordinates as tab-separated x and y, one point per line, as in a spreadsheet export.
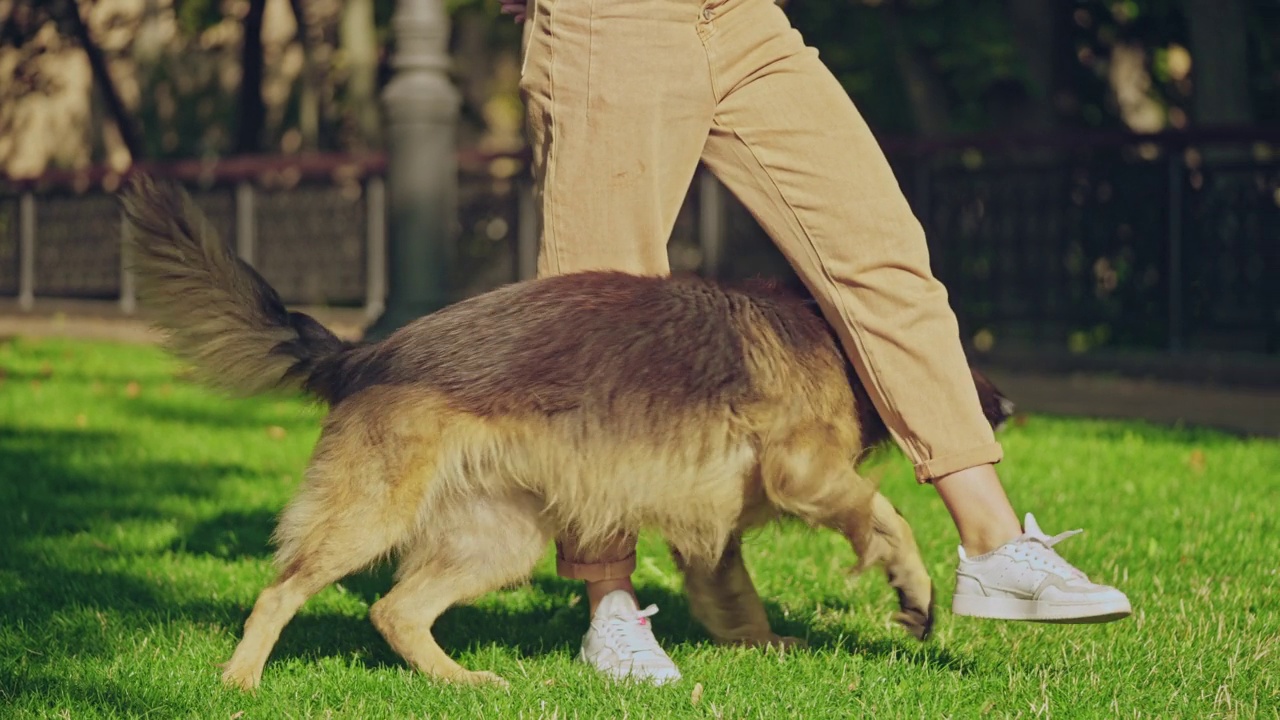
596	403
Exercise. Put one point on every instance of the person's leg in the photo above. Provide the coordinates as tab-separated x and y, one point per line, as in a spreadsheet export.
604	570
979	507
788	141
617	117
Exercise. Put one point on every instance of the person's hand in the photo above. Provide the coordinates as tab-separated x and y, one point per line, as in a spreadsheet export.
513	7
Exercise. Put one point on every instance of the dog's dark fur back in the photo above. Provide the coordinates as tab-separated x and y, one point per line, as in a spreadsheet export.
592	338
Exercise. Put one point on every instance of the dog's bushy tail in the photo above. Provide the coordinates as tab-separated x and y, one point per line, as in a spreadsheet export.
218	312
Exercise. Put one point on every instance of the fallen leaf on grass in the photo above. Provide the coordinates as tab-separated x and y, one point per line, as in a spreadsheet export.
275	432
1196	460
82	420
133	389
696	696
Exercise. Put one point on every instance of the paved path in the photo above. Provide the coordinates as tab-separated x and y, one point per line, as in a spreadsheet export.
1242	410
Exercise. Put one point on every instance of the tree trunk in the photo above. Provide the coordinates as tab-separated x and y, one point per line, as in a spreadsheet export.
1038	33
925	89
252	110
1219	64
309	100
360	47
102	77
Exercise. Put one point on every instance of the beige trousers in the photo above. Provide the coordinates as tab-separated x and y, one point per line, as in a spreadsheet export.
626	97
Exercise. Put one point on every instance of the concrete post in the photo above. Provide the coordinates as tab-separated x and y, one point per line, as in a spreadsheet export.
27	251
421	108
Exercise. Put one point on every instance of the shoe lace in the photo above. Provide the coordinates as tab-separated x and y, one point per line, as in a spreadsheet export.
634	634
1037	550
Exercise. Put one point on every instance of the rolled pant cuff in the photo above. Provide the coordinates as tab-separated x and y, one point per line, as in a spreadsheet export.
595	571
934	468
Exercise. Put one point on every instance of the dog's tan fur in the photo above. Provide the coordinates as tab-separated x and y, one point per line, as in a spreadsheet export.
596	403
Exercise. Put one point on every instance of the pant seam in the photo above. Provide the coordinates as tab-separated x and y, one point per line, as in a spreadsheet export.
705	32
549	217
591	49
872	366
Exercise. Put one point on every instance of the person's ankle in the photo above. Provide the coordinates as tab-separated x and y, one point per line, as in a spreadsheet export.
598	589
986	539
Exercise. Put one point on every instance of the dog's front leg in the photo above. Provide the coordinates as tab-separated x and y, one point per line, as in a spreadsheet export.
723	598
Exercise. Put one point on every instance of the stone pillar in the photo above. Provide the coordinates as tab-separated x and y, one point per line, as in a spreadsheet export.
421	108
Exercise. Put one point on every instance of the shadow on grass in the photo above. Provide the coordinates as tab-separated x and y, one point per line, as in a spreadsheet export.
233	535
63	481
60	484
58	695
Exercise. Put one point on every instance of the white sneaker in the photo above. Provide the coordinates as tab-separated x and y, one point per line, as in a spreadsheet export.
1025	579
620	642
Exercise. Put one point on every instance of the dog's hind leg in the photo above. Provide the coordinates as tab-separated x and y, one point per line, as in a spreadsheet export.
357	505
347	548
725	601
474	546
809	473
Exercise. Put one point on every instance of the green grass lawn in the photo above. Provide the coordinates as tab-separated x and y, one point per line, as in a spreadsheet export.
135	511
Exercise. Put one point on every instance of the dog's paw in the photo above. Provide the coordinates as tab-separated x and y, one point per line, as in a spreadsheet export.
916	619
785	643
241	679
769	642
479	677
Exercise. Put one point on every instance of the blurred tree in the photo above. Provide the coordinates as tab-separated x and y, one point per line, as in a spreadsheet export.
252	111
69	11
358	36
935	67
309	90
194	81
1220	65
1041	33
925	86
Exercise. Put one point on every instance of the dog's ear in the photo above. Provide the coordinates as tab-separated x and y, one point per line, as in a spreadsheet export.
995	405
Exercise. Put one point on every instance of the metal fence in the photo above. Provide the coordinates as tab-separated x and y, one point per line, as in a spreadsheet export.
1157	241
309	227
1164	241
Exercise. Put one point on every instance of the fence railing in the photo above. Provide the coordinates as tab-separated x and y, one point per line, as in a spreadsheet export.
1168	241
1164	241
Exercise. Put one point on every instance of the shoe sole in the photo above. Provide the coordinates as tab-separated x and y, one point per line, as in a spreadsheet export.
617	675
1039	611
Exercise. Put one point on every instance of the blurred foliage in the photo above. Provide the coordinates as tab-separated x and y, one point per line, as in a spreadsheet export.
972	47
912	66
